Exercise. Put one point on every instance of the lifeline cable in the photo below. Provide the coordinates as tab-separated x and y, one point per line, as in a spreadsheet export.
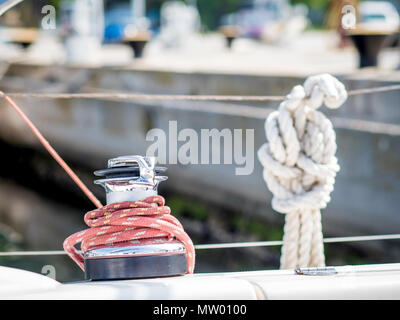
153	223
139	96
227	245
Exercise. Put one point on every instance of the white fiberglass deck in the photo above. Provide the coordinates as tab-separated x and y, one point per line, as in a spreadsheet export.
350	282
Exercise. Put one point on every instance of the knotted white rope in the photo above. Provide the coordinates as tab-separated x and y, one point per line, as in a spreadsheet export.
300	166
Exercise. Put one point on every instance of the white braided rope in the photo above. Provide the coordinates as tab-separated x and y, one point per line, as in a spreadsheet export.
300	166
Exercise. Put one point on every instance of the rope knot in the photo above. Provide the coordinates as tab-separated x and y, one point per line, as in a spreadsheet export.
324	89
299	158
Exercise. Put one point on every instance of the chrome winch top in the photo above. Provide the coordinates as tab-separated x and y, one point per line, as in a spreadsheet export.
130	178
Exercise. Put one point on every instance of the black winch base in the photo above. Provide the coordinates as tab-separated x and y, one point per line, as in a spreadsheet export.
135	267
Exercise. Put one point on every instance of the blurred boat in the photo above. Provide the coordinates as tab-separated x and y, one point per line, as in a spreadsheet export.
123	19
179	23
82	27
268	20
378	16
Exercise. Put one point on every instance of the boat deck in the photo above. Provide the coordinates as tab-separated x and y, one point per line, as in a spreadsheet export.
345	282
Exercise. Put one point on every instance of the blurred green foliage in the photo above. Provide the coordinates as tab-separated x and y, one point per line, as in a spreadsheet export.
183	208
313	4
211	11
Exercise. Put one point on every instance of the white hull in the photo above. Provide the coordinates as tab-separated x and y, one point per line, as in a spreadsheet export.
350	282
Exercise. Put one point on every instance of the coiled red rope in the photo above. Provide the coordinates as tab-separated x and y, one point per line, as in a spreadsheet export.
138	222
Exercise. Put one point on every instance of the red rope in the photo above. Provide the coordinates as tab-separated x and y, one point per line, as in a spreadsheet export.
52	152
138	222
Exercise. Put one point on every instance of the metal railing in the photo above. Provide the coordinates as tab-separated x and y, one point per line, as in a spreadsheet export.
228	245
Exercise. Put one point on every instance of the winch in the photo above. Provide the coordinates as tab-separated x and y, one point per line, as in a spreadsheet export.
133	178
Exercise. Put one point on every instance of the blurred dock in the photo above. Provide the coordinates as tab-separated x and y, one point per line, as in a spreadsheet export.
315	52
